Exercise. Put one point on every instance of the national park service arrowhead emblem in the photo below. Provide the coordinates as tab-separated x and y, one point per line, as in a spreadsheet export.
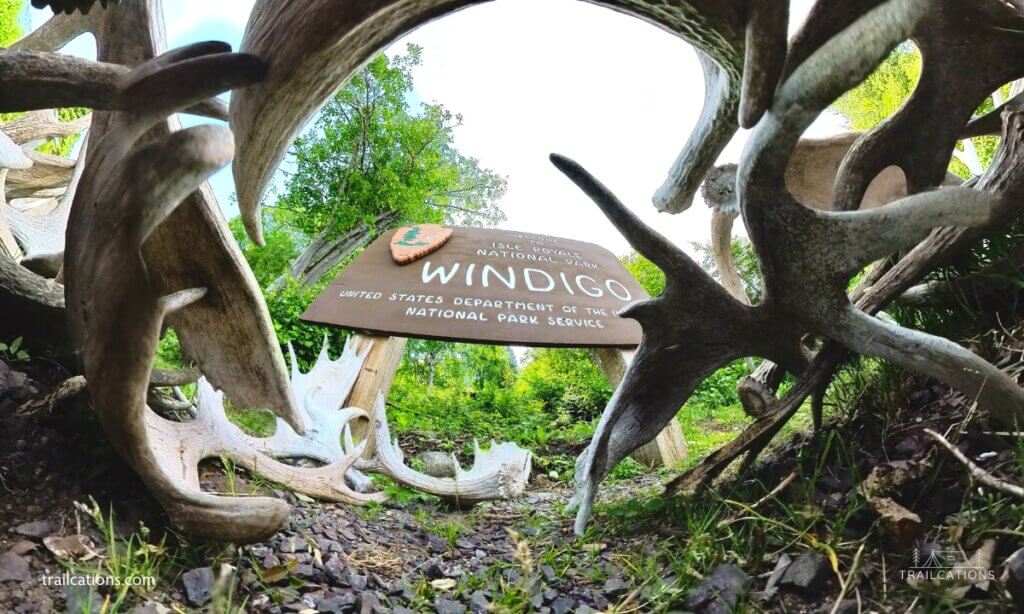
411	243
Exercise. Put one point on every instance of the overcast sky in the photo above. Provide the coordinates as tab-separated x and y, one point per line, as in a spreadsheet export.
531	77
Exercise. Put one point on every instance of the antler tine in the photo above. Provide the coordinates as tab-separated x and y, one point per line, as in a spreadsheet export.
921	136
642	237
715	128
767	23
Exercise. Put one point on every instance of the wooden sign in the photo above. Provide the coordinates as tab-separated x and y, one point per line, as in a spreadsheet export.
490	286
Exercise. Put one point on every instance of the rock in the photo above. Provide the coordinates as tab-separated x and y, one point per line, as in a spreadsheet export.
899	524
401	591
846	606
437	464
338	604
562	605
433	571
447	606
808	573
400	609
614	587
69	546
292	545
1013	577
720	593
13	568
81	597
357	582
38	529
369	603
198	585
772	585
436	544
478	602
22	546
335	569
548	573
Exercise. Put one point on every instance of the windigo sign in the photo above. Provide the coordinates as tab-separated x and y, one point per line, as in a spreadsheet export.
487	285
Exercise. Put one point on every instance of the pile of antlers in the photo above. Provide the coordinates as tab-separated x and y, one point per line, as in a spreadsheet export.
146	243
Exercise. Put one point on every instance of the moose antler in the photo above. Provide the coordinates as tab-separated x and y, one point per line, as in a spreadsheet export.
500	472
806	259
936	113
115	308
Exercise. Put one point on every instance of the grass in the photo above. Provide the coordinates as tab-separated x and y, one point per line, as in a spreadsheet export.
129	563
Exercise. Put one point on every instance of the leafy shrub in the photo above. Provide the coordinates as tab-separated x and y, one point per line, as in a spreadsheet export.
567	381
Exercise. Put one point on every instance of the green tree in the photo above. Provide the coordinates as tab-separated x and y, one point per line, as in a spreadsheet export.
566	381
375	160
11	26
646	272
885	91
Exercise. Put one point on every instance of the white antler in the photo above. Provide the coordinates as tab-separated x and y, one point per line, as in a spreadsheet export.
500	472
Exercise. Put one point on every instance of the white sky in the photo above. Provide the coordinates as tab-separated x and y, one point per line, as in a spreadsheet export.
531	77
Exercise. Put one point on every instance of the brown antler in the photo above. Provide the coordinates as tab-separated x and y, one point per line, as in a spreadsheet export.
115	309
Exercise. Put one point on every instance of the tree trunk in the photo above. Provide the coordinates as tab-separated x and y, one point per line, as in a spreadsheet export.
324	253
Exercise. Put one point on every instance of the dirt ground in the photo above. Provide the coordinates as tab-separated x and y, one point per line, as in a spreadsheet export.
816	499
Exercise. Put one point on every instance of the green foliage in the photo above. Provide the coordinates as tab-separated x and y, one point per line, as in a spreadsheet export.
134	563
13	351
168	353
882	93
646	272
11	26
373	153
283	244
286	306
459	391
885	91
567	382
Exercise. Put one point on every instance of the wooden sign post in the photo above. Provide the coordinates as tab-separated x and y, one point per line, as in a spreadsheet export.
379	369
669	447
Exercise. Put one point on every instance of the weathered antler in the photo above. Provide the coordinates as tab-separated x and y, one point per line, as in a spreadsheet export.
179	446
41	234
115	308
229	334
500	472
806	259
810	178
